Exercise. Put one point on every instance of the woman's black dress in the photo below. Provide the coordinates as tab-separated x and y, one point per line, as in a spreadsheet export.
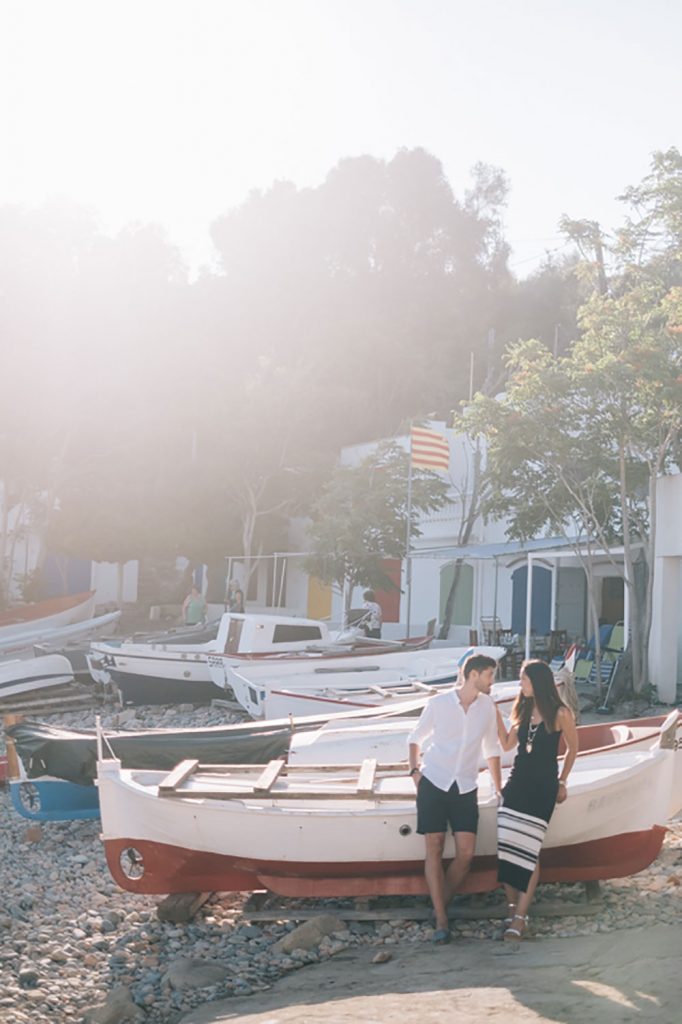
528	801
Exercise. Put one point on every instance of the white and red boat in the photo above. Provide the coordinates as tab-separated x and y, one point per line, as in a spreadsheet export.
333	831
167	671
46	615
309	686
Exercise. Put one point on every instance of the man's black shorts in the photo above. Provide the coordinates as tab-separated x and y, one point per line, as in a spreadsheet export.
437	809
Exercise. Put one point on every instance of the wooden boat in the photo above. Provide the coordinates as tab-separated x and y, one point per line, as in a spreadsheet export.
331	832
164	673
43	615
267	691
52	640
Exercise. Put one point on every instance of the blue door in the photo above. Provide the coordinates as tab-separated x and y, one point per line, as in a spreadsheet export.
541	610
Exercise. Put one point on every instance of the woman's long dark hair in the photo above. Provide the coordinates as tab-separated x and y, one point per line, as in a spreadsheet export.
545	696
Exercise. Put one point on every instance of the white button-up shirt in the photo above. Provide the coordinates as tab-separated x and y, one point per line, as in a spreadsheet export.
451	739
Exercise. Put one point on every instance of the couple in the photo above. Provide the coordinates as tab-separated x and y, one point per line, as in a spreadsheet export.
444	752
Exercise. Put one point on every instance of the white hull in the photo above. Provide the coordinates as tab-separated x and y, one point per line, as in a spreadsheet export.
608	795
64	617
32	674
277	690
56	637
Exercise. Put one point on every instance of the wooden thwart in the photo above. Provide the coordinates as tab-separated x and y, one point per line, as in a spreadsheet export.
367	777
180	773
268	776
355	781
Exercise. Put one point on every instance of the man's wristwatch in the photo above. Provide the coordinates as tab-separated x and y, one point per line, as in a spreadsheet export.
413	771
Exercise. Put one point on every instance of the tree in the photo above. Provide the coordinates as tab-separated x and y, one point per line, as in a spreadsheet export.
360	519
580	440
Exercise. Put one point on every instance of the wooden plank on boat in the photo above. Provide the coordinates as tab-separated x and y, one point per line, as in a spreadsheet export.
268	776
222	793
180	907
367	777
330	669
180	773
309	769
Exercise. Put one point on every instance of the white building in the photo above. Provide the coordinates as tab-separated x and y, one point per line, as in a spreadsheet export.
665	645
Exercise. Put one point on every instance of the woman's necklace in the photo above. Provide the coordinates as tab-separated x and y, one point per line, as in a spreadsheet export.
532	729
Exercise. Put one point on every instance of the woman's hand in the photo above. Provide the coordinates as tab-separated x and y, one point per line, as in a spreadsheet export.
562	792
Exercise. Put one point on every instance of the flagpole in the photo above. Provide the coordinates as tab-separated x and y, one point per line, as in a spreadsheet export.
408	537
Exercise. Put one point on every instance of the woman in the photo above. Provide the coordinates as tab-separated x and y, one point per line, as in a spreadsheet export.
194	608
539	719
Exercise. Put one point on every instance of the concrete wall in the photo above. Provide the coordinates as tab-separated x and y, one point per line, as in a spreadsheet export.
665	646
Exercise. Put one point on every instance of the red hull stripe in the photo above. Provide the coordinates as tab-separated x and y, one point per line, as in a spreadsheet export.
170	869
43	609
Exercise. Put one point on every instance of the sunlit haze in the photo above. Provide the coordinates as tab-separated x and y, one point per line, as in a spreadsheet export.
172	112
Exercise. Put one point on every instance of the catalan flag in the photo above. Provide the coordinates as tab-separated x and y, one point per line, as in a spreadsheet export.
429	449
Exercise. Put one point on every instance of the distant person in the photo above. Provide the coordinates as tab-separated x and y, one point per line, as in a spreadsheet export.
236	598
194	608
373	616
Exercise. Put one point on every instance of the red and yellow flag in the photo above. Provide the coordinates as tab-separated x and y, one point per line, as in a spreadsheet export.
429	449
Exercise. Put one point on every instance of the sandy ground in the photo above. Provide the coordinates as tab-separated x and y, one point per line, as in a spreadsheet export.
621	977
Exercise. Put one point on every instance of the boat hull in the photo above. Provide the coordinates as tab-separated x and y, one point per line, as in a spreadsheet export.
173	869
32	675
54	800
150	689
324	830
50	614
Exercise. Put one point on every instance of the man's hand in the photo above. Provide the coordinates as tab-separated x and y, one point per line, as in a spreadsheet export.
416	777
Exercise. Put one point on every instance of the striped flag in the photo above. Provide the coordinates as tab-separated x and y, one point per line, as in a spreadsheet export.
429	449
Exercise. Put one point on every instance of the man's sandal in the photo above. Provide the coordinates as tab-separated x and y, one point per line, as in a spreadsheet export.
514	934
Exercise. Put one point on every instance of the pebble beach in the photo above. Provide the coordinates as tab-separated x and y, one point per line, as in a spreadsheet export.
74	947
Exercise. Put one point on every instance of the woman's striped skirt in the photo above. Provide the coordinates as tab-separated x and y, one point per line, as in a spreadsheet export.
519	841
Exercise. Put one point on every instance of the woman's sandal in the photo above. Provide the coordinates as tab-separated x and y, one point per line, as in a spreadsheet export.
515	934
508	920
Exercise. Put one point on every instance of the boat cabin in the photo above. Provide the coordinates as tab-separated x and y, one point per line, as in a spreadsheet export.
268	634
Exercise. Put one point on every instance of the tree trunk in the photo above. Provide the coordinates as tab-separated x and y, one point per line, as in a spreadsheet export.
469	516
448	612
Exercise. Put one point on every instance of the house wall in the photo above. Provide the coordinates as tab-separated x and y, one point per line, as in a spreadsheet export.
665	645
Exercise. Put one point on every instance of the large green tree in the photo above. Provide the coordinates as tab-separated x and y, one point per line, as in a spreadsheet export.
578	441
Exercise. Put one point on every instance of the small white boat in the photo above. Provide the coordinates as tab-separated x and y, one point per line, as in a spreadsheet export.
323	685
44	615
51	640
352	832
168	672
27	676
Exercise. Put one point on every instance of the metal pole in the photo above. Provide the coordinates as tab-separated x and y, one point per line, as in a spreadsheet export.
529	604
495	598
408	532
626	606
552	614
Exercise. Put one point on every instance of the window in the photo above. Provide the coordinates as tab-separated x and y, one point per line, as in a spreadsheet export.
287	634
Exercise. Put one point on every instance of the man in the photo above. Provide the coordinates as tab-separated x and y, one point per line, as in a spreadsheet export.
444	753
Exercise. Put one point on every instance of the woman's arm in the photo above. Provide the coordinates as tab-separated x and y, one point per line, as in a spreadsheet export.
508	740
566	723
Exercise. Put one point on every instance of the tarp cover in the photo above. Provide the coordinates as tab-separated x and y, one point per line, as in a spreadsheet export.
72	756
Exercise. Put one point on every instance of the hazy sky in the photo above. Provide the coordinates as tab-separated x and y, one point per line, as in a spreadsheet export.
172	110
